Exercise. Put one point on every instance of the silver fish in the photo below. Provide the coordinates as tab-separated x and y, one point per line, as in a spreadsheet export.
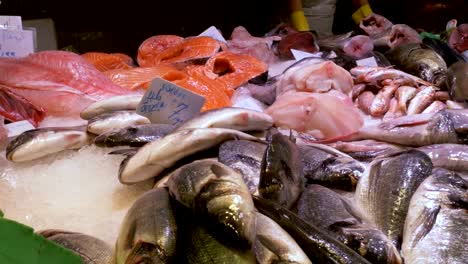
448	156
133	136
385	190
154	157
421	100
331	212
149	230
246	158
436	227
274	245
230	117
116	103
106	122
91	250
38	143
217	193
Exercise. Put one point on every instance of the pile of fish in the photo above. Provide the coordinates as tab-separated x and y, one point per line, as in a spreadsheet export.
255	193
318	160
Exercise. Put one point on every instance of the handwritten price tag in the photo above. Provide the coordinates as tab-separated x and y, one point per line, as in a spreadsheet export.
167	103
299	54
369	62
213	32
15	43
11	22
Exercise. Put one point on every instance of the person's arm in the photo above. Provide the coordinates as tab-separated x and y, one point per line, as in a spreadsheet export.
298	18
363	9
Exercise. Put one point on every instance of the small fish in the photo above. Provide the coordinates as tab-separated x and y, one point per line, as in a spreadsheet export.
91	250
331	212
385	189
38	143
404	94
457	81
421	100
436	226
435	107
246	158
133	136
381	102
229	117
448	156
364	101
316	243
115	103
419	60
148	232
107	122
218	194
274	245
281	178
154	157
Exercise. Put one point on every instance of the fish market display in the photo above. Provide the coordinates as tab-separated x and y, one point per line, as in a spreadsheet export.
384	192
436	226
92	250
355	153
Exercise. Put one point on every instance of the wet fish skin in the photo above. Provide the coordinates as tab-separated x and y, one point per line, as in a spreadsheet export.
106	122
91	250
436	225
331	170
218	194
154	157
230	117
274	245
448	156
38	143
457	81
148	232
316	243
281	178
333	213
133	136
245	157
419	60
115	103
385	190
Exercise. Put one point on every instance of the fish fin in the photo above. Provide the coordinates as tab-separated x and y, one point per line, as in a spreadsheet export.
143	252
125	152
337	226
425	222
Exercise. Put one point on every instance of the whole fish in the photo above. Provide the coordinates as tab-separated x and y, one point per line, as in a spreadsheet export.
274	245
331	169
38	143
111	104
244	157
420	61
316	243
91	250
148	232
445	126
421	100
365	150
115	120
281	178
229	117
154	157
457	81
436	227
448	156
133	136
331	212
385	190
218	194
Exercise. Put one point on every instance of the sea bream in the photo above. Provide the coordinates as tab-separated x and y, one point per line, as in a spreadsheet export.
115	103
110	121
436	227
133	136
448	156
154	157
38	143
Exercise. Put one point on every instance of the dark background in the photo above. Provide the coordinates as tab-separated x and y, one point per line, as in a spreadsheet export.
121	26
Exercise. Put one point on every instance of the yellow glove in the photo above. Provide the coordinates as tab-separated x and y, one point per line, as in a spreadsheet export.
361	13
299	21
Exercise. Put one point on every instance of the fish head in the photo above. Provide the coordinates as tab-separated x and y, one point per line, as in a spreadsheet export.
20	141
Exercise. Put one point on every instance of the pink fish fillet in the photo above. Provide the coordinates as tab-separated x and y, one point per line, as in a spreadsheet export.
60	82
327	115
16	108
